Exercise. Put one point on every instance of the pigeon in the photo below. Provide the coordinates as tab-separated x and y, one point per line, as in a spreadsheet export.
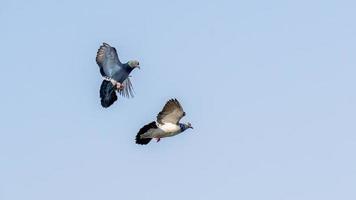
167	124
115	75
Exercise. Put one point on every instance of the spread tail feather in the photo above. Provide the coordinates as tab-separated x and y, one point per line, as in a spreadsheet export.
143	130
107	93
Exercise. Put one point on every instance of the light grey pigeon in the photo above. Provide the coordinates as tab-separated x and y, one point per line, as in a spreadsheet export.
167	124
115	75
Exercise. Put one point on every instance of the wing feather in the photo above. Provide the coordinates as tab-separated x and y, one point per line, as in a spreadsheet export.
107	58
128	91
172	112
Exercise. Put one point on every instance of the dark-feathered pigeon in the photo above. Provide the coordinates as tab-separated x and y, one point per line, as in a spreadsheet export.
115	75
167	124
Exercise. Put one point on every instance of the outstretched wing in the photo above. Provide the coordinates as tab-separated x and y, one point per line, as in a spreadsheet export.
172	112
107	59
128	91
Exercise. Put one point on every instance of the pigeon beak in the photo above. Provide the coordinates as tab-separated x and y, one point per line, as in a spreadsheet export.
138	67
191	127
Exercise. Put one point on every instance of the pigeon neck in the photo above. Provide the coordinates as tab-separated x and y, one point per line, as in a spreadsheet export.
127	67
182	127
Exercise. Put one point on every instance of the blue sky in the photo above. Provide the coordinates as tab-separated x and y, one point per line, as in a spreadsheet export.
268	86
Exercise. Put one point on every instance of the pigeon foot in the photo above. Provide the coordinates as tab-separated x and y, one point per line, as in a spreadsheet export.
119	86
158	139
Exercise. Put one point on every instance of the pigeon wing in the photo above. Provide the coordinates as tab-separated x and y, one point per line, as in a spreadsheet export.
172	112
107	59
128	91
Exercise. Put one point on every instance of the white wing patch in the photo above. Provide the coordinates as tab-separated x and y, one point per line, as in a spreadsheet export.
169	127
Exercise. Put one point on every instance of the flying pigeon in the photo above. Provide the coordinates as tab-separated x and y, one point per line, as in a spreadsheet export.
115	75
167	124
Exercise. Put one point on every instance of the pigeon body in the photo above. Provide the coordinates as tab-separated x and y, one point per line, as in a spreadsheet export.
115	74
167	124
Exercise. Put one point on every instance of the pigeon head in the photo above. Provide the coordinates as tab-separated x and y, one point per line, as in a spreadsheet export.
134	64
184	127
189	125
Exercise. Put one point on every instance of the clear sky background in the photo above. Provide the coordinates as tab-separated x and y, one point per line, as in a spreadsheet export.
269	87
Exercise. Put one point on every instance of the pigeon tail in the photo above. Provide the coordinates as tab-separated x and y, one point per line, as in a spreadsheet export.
107	93
143	130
